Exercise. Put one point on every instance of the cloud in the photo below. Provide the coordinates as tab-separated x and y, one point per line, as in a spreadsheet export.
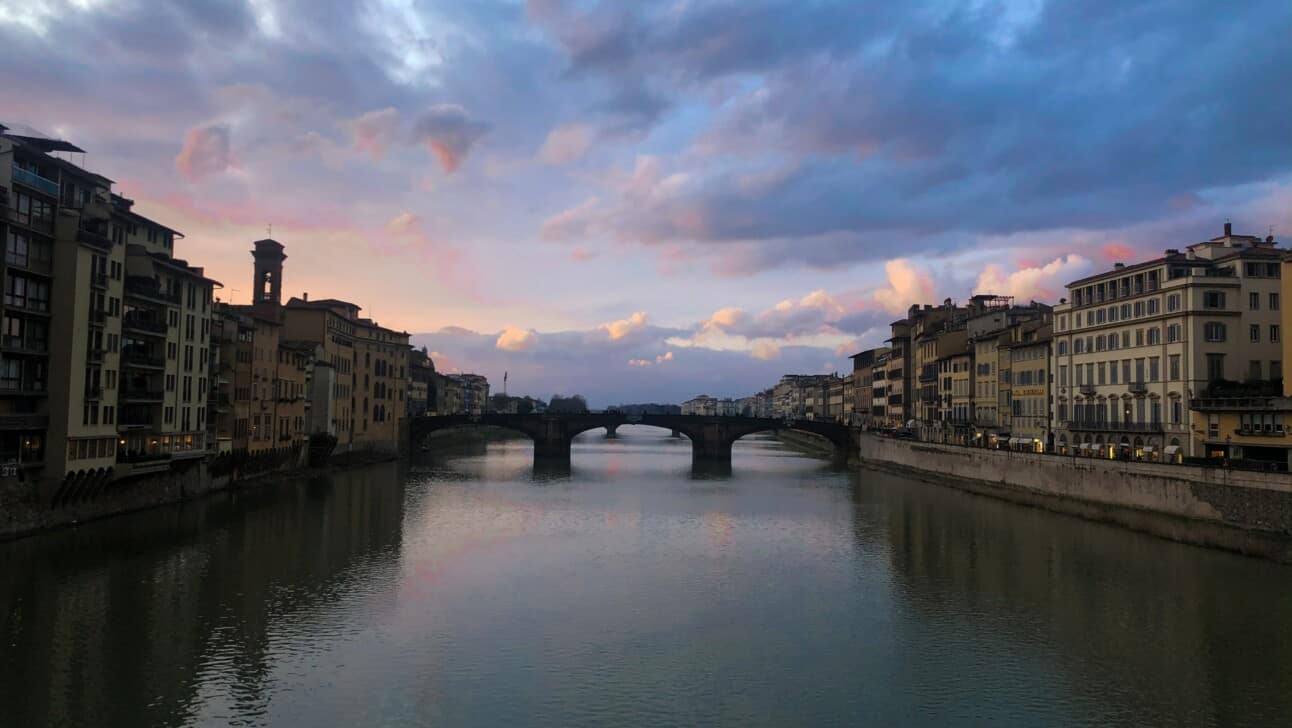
1043	283
374	131
567	143
765	350
404	222
639	362
514	339
623	328
450	132
666	356
1114	252
907	285
205	152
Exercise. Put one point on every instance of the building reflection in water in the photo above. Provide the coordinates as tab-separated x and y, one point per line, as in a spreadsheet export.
1145	629
176	594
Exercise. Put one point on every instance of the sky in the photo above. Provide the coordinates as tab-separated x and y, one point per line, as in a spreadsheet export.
645	201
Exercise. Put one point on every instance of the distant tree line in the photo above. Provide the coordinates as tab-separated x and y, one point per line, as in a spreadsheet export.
649	409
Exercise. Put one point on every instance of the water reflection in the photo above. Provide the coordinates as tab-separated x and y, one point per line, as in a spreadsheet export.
633	588
141	619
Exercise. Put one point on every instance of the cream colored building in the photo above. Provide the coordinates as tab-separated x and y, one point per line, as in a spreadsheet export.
1028	349
103	371
1133	345
371	370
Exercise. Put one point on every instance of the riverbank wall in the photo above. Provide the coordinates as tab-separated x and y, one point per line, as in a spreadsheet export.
1247	512
25	511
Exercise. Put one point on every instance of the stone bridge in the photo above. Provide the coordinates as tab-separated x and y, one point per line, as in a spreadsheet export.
711	437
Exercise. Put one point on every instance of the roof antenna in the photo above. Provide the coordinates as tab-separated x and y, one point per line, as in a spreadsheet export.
269	231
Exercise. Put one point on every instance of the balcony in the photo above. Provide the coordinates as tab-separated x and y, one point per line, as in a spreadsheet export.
98	316
1087	389
143	325
1148	427
18	345
1261	431
93	393
99	280
142	360
35	181
32	421
94	232
1137	387
146	287
94	356
1241	404
141	395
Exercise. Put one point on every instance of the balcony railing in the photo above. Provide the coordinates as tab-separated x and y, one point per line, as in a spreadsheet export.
1248	404
1087	389
35	181
1154	427
28	421
148	288
1260	431
139	359
141	394
1137	387
99	279
98	315
94	356
142	324
28	346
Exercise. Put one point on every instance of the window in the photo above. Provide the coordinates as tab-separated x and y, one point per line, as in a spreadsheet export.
1152	306
1112	373
1274	333
1174	364
1154	336
1254	370
1213	426
1214	331
1079	346
1176	412
1139	337
1254	301
1254	331
1154	368
1276	369
1063	348
1173	302
26	293
1102	373
1172	333
1213	299
1063	376
1274	301
1215	367
1139	309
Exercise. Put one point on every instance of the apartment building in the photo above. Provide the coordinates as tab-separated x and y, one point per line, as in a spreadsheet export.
96	302
868	384
1028	348
371	370
899	387
881	389
1134	345
700	405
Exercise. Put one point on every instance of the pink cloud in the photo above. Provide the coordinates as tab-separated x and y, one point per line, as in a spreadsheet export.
1114	252
514	339
765	350
622	328
567	143
450	132
206	151
374	131
1034	282
908	284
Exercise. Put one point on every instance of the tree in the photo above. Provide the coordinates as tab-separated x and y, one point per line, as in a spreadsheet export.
574	404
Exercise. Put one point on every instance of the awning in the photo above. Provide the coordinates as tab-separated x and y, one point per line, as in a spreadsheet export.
1086	446
1148	448
1171	449
1020	441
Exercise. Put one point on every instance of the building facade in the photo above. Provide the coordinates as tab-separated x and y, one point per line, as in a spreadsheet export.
1133	346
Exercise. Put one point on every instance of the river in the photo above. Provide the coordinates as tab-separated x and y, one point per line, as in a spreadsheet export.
631	590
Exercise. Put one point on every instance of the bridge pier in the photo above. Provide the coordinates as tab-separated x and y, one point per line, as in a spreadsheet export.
676	434
612	432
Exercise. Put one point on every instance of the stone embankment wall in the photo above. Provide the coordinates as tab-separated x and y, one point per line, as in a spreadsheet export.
1241	511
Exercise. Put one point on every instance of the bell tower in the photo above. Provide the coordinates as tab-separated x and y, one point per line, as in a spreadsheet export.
267	288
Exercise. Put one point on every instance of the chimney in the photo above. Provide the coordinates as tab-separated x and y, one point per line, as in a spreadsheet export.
305	296
1118	266
1229	229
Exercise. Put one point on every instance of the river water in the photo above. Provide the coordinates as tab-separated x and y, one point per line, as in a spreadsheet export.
632	590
